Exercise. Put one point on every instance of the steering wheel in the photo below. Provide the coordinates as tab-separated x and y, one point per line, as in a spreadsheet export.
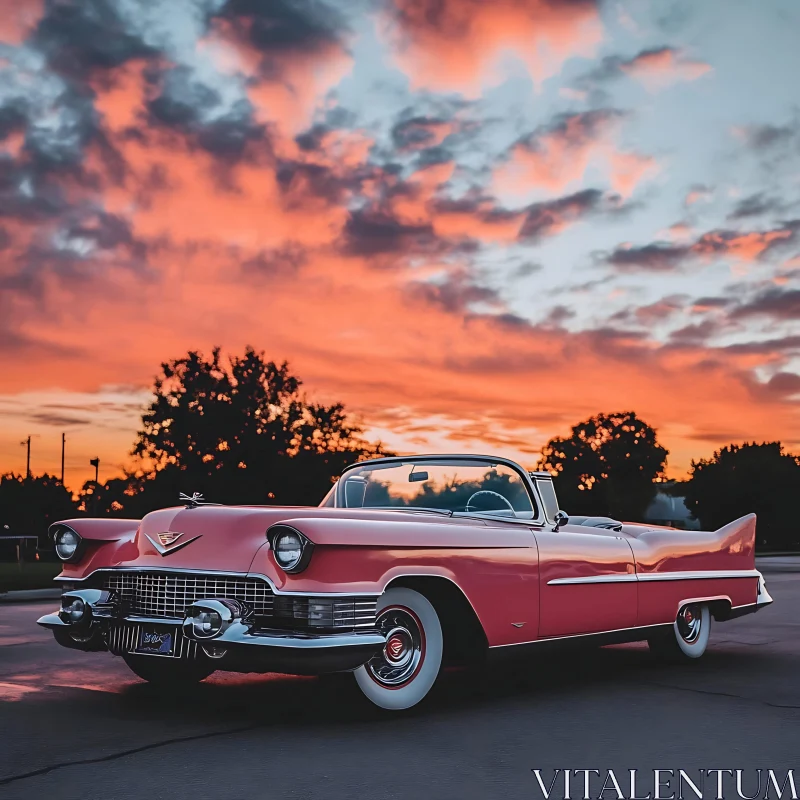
493	494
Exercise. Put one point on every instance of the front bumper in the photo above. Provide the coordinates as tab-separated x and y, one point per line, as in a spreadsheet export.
238	646
295	653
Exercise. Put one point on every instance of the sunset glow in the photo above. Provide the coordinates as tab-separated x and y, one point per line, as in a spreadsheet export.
475	224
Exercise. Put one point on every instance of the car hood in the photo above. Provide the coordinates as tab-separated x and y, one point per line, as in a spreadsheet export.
227	538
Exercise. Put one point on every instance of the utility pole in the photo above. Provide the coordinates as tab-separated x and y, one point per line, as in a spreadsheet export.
27	443
63	445
28	462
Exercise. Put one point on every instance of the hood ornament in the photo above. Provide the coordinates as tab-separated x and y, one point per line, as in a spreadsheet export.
168	542
194	500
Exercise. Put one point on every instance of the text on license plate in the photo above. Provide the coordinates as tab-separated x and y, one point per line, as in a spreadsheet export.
156	642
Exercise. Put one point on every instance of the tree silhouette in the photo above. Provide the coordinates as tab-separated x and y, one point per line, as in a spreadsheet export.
745	479
607	466
239	430
28	506
121	497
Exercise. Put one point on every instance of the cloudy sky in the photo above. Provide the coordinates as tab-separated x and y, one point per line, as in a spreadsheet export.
474	223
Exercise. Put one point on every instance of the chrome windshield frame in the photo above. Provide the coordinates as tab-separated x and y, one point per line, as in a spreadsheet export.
530	484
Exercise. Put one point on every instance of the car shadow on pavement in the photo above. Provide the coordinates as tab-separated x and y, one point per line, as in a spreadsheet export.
278	700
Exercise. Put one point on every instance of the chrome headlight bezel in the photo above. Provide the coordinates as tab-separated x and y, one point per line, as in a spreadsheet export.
278	533
62	532
74	610
209	618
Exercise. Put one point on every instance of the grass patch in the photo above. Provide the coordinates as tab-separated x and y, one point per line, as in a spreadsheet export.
28	575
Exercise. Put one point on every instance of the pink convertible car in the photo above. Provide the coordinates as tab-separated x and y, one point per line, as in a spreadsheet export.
408	564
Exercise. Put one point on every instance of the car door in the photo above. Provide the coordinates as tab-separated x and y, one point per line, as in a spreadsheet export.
587	581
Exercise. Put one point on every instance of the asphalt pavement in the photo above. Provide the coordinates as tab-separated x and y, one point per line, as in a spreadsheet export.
81	726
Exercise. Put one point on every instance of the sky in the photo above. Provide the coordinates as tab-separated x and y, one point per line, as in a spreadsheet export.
475	224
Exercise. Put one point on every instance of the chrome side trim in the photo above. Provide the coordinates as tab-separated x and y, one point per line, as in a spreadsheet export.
708	599
710	574
620	578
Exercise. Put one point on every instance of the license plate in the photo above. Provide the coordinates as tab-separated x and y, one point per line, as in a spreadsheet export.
155	642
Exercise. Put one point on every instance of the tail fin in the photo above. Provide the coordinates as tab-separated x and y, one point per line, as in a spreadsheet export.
738	539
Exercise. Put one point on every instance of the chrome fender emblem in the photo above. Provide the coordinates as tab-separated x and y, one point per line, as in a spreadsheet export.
168	542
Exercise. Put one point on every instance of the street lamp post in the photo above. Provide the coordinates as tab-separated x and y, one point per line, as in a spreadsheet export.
95	462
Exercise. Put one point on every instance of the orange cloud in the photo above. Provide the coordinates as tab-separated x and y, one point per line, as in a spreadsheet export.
457	44
696	194
745	246
19	19
285	87
558	158
628	170
660	67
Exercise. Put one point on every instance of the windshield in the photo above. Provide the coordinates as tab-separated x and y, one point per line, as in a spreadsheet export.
459	486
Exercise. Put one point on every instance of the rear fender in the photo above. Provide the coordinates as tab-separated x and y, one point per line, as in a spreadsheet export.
731	547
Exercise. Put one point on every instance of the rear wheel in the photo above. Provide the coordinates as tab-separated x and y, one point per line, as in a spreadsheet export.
688	637
406	669
170	673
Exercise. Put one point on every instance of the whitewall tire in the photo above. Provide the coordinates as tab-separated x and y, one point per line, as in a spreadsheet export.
689	636
405	670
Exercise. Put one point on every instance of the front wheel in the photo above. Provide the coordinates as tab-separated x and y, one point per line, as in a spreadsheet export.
688	638
405	670
168	673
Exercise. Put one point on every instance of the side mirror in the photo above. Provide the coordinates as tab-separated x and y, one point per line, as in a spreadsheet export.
561	518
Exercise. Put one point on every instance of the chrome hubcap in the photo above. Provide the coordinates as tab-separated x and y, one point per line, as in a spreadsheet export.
403	652
689	622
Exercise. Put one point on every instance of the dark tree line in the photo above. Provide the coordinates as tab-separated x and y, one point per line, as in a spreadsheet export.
28	506
613	465
740	479
240	430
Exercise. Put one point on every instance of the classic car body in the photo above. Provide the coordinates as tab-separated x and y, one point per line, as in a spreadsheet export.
392	592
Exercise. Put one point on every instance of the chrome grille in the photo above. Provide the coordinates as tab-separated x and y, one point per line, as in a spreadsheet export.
153	594
168	595
326	612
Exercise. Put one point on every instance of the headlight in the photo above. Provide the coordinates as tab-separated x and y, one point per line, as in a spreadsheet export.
288	550
67	542
292	550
